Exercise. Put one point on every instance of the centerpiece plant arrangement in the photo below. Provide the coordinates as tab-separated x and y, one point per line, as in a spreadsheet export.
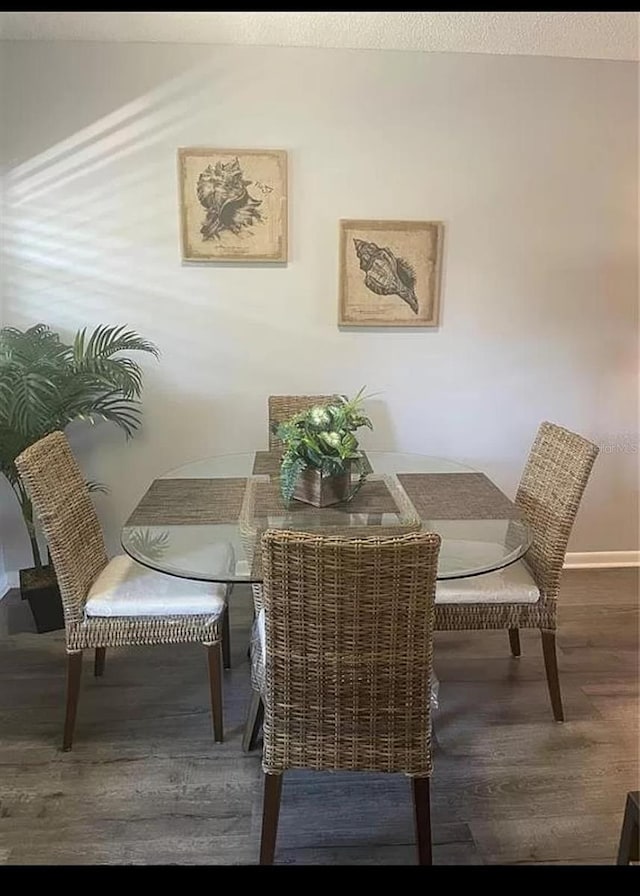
321	452
46	384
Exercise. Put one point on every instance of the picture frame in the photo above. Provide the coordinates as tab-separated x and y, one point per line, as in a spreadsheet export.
389	273
233	204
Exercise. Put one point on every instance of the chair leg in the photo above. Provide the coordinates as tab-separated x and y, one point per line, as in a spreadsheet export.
226	640
422	815
629	846
253	723
270	815
74	671
214	658
551	667
98	663
514	641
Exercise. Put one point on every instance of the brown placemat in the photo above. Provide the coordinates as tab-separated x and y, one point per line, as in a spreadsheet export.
267	463
373	498
457	496
189	502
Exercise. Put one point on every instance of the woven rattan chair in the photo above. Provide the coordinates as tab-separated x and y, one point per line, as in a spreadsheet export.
346	662
525	594
281	407
117	602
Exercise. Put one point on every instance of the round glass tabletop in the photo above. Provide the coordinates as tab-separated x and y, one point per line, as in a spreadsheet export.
204	520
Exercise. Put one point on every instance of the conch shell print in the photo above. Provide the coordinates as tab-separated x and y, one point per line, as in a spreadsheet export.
386	274
222	191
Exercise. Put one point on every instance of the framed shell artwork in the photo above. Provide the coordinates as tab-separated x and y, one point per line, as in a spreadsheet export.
233	204
390	273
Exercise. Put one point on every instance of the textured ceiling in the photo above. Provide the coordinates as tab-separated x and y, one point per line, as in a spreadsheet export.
597	35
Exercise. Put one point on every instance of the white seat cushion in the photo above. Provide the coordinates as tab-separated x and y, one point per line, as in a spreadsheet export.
511	585
126	588
261	634
258	652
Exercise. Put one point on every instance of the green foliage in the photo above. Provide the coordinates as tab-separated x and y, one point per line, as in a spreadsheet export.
45	384
322	438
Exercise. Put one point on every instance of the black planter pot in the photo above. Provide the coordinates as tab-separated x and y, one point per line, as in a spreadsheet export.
40	588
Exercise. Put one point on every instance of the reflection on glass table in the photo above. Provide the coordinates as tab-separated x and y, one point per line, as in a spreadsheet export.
204	520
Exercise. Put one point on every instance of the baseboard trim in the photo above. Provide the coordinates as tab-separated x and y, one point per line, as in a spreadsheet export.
8	581
601	559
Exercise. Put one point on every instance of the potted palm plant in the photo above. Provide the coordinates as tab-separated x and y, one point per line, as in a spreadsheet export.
45	384
321	452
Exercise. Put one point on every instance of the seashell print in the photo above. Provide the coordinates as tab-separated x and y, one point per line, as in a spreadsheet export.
222	191
386	274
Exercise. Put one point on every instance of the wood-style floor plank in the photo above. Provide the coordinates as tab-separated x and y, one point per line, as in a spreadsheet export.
548	839
145	783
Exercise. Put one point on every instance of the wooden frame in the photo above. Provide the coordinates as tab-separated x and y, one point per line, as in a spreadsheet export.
390	273
233	204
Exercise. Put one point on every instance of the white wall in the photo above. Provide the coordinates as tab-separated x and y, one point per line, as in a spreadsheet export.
531	162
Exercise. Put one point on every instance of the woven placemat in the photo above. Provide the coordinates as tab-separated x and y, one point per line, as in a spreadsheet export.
374	497
190	502
267	463
457	496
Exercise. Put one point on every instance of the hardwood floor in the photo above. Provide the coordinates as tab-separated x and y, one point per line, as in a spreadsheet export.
146	784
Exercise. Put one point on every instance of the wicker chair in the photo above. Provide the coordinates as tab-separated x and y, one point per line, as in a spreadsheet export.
117	602
525	594
344	661
281	407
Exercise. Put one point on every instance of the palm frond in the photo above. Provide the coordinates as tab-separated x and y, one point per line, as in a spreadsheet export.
45	384
34	347
113	407
98	374
94	486
107	341
29	405
12	443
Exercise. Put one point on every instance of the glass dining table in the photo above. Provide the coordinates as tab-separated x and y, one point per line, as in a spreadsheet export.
204	520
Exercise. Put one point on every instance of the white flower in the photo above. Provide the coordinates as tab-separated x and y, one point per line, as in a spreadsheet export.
319	416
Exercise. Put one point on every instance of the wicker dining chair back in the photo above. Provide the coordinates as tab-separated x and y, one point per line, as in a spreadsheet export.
349	641
281	407
549	494
130	607
63	505
551	487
